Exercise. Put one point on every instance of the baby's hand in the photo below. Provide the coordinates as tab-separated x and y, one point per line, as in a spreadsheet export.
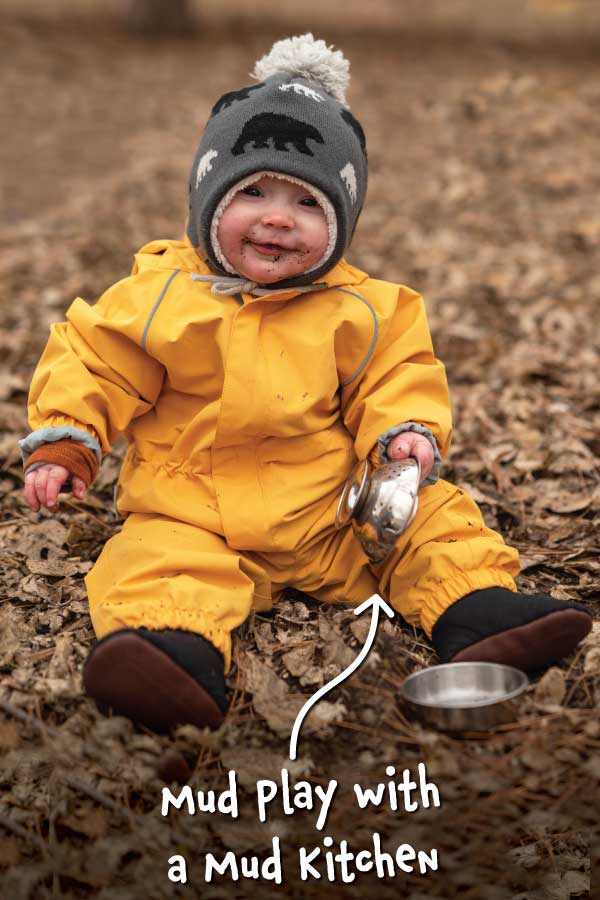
43	485
411	443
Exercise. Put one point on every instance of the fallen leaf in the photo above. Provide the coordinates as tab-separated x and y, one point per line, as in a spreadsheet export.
564	887
10	853
252	765
298	660
337	655
60	665
526	856
9	636
57	568
551	689
273	700
9	735
90	821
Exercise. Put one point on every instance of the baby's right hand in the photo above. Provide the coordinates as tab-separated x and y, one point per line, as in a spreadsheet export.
43	485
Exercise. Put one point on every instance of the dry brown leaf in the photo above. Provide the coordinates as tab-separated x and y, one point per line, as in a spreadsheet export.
337	656
551	494
262	633
298	660
44	540
567	886
270	695
60	666
273	700
92	822
251	765
9	634
57	568
527	856
551	689
9	735
9	852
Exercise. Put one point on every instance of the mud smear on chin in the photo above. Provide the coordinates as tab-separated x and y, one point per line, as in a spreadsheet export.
298	256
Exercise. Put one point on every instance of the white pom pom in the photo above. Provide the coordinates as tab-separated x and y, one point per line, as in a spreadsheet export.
307	58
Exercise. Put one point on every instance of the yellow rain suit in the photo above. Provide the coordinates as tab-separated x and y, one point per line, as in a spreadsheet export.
244	417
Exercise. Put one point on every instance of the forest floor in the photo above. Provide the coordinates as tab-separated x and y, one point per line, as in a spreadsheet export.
484	185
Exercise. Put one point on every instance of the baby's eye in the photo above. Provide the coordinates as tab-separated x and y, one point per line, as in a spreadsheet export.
251	191
309	201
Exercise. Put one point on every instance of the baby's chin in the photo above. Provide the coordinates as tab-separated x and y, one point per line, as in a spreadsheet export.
270	272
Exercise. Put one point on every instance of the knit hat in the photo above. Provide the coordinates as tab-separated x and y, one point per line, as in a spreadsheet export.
294	124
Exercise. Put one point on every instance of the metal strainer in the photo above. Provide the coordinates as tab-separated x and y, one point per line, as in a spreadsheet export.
380	504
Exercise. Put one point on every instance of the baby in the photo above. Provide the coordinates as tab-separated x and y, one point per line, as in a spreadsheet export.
250	367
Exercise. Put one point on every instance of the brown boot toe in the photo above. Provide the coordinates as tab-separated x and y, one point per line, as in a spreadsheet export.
130	676
533	646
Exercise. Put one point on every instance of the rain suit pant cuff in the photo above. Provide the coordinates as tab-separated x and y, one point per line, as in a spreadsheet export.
528	631
106	619
436	599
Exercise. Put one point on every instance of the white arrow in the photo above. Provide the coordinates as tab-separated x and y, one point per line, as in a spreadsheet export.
378	604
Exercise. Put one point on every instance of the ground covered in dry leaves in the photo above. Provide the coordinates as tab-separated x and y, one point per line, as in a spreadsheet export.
483	196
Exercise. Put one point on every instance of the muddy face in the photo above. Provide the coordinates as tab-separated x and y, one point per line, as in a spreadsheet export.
273	230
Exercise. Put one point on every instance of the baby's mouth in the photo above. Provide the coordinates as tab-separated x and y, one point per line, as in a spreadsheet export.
269	248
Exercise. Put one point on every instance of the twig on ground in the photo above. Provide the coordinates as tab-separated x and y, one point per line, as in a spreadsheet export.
18	830
97	795
27	718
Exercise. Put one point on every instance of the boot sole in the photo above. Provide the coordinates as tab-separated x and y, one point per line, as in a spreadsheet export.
130	676
533	646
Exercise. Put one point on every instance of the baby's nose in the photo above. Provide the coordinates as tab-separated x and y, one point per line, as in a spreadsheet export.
278	218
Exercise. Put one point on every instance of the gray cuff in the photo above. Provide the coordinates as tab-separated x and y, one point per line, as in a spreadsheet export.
57	433
384	439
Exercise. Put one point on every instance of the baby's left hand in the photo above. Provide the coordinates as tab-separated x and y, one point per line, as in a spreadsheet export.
411	443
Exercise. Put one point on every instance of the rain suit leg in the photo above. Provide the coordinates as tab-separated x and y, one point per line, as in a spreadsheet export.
162	573
447	552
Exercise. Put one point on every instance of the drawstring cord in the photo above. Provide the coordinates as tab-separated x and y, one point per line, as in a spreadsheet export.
228	287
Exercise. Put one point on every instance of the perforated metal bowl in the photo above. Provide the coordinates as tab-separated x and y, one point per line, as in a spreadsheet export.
464	696
380	503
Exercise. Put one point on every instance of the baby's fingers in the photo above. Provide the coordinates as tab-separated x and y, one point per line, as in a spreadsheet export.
403	445
411	443
56	479
43	485
30	492
40	483
78	487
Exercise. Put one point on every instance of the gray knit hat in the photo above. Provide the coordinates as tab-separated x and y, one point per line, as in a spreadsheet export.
294	123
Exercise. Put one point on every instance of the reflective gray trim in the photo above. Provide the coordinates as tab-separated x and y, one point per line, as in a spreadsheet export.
384	439
58	433
373	341
156	305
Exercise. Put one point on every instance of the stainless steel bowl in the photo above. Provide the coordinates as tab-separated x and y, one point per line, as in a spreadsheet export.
468	696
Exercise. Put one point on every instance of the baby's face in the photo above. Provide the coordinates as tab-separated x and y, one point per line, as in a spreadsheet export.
272	230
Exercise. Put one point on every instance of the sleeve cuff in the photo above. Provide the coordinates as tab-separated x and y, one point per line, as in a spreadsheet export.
384	439
53	433
78	459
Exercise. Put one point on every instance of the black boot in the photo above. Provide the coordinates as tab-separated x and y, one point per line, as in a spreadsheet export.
528	631
160	679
